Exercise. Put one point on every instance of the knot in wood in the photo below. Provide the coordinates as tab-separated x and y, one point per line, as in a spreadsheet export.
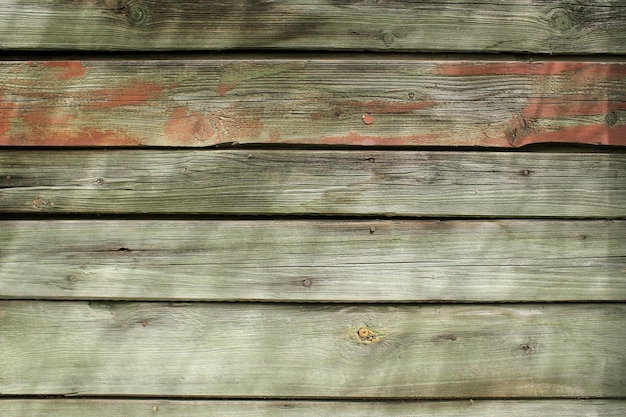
136	14
367	336
561	20
388	38
611	118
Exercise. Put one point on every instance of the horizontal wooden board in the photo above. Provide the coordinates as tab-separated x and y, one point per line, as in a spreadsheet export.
150	408
348	101
329	261
381	183
540	26
305	351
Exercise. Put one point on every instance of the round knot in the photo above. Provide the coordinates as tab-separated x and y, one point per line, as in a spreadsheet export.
561	20
367	336
388	38
136	14
611	118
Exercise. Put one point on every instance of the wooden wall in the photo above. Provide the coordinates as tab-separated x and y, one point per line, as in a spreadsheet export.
320	208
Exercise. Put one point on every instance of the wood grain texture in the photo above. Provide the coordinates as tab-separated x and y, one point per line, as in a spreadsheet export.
189	408
381	183
396	101
304	351
322	261
538	26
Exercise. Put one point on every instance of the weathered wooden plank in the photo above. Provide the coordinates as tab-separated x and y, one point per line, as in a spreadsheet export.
389	183
305	351
349	101
541	26
347	261
189	408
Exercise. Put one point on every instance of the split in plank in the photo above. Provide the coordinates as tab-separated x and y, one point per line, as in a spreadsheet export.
321	261
197	103
234	350
273	182
190	408
538	26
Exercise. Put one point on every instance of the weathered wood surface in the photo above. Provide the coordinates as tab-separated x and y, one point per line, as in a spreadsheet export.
305	351
539	26
389	183
336	261
400	101
189	408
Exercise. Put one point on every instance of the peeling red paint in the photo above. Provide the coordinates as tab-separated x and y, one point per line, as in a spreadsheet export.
529	68
8	111
599	134
184	127
569	106
139	93
389	107
368	119
80	137
47	128
67	69
224	88
189	127
354	138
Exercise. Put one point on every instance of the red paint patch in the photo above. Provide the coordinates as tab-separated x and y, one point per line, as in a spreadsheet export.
192	128
389	107
224	88
316	116
514	68
569	106
598	134
368	119
67	69
138	94
46	127
8	111
582	71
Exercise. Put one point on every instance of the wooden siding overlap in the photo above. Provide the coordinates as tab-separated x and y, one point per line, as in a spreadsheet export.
528	26
194	408
296	182
224	350
312	208
360	102
366	261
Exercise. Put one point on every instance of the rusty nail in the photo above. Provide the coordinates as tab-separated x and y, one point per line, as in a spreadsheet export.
144	323
368	119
